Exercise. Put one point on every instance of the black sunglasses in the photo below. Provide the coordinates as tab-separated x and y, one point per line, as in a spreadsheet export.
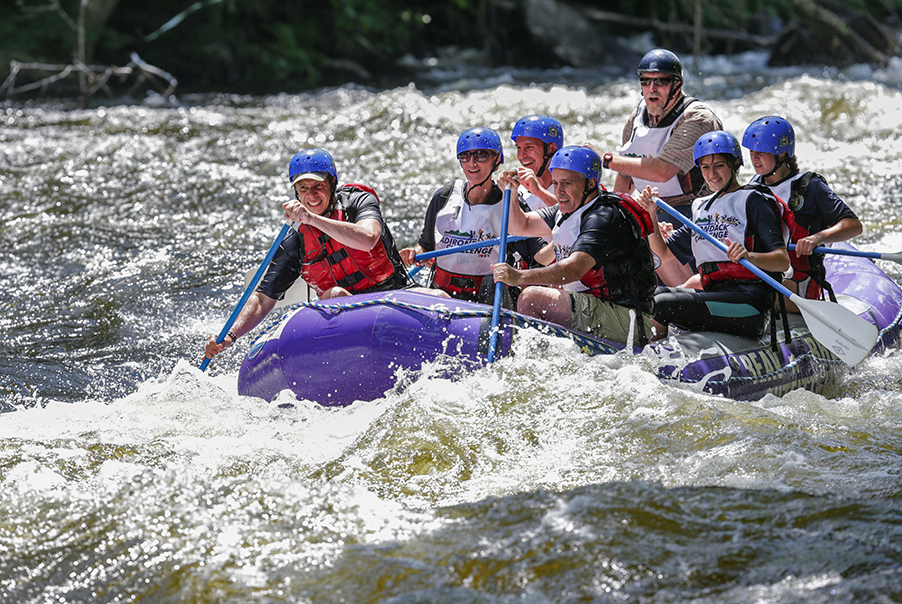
656	81
480	155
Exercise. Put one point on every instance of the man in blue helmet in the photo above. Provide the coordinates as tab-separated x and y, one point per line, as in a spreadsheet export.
537	138
660	133
340	246
604	270
465	211
821	217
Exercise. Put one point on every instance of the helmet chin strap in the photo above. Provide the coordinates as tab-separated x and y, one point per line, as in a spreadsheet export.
587	191
479	184
674	90
547	158
726	186
779	161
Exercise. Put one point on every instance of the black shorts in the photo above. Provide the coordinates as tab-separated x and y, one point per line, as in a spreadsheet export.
741	309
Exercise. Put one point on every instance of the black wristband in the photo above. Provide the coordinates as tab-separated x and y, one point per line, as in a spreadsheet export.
606	161
233	336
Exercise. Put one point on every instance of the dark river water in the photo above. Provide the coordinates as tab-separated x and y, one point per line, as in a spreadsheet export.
126	475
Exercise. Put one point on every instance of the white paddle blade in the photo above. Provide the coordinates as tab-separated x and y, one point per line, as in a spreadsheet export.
298	293
847	335
897	257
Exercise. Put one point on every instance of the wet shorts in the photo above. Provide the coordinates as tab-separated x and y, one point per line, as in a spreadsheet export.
594	316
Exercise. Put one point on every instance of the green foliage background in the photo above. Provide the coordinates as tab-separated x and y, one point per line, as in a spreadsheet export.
269	45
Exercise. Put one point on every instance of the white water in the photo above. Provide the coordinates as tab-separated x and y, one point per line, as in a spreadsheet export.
128	475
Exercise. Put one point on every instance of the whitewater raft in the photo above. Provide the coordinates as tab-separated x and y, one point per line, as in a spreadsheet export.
337	352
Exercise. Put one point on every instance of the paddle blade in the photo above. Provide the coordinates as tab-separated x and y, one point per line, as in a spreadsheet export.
847	335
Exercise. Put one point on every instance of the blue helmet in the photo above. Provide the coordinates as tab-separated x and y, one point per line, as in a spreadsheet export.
480	138
310	163
543	127
660	60
716	142
771	134
579	159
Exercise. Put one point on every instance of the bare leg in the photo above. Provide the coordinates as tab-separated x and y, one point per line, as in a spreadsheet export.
794	288
335	292
673	272
438	293
548	303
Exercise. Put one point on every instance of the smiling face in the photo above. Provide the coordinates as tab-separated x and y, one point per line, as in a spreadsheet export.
717	170
314	195
477	172
531	152
569	188
655	93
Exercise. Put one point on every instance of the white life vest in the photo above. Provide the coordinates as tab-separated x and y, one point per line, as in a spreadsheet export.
725	218
564	235
459	223
649	142
532	200
783	190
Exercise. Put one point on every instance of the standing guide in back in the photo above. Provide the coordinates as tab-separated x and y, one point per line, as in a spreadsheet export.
468	211
820	215
660	133
604	270
749	222
341	246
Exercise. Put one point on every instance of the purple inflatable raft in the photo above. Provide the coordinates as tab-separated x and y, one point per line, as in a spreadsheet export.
341	351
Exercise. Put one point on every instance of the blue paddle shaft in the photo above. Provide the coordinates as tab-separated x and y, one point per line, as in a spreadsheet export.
842	252
720	245
463	248
499	286
249	290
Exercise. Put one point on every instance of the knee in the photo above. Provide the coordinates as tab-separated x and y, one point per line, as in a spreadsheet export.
334	292
528	301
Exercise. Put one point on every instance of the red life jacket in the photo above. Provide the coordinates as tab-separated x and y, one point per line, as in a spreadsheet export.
642	226
465	287
327	263
811	265
715	272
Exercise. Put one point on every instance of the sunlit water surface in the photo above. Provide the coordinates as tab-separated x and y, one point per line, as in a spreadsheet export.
126	475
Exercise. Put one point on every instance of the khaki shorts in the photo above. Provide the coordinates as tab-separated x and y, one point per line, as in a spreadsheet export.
603	319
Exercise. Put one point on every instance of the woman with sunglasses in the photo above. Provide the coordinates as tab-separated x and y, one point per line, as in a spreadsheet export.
465	211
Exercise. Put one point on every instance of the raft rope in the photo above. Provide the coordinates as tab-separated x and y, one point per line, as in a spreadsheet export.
588	344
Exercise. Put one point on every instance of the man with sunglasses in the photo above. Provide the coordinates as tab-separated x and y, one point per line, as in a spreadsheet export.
466	211
341	246
659	136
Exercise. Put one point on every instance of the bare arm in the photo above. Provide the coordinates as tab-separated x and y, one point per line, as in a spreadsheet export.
526	224
528	178
254	311
646	168
776	261
655	239
363	235
672	272
841	231
623	184
568	270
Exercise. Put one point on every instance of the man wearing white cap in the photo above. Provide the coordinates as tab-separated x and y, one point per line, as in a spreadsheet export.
341	245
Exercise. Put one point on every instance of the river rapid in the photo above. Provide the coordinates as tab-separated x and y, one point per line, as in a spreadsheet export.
126	475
